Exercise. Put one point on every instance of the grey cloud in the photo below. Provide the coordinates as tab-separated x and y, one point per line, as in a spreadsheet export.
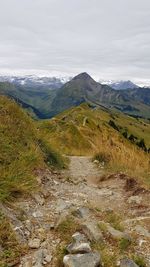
108	38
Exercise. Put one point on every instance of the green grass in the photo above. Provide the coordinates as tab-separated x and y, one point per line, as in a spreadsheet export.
86	131
23	150
11	249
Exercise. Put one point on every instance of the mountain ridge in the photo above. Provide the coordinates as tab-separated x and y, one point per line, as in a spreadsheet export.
82	88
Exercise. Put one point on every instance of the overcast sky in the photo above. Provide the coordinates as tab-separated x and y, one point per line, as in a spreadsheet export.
109	39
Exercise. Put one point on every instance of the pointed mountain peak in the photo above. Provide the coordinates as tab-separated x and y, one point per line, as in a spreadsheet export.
82	76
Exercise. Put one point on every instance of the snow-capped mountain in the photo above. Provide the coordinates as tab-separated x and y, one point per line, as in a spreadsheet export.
36	81
120	85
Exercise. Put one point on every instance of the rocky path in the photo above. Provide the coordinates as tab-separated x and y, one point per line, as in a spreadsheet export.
79	197
83	169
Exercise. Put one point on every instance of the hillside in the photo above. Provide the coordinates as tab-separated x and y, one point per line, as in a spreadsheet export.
43	207
86	131
36	100
45	102
23	150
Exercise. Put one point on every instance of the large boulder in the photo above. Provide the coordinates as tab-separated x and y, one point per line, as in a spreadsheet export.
84	260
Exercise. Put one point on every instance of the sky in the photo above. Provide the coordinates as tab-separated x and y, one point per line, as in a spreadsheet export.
109	39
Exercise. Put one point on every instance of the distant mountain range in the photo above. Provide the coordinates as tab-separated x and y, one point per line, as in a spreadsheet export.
36	81
123	85
57	81
46	100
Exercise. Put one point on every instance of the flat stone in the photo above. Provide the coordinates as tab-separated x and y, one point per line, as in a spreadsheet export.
127	263
34	243
117	234
78	237
79	248
92	231
84	260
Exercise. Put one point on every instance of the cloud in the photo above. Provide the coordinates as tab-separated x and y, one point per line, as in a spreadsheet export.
109	39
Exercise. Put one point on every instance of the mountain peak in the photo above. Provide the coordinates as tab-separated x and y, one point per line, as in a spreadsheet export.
82	76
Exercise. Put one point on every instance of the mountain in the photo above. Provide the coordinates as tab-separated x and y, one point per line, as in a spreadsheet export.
122	85
36	81
46	103
83	88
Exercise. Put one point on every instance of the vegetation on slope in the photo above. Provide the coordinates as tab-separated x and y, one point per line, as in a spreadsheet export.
23	150
87	131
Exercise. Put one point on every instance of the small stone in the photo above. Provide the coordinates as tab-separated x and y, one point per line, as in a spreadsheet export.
34	243
48	258
78	248
78	237
79	244
37	214
82	212
117	234
127	263
92	231
84	260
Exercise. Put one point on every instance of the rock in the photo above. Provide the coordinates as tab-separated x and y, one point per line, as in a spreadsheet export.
96	161
127	263
37	214
27	264
48	258
34	243
78	248
92	231
63	205
78	237
142	231
82	212
135	200
84	260
79	244
39	199
38	258
117	234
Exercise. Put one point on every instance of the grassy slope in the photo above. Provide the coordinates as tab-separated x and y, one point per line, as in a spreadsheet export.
85	131
23	149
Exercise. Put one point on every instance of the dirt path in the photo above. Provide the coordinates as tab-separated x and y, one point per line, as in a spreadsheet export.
80	186
82	168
